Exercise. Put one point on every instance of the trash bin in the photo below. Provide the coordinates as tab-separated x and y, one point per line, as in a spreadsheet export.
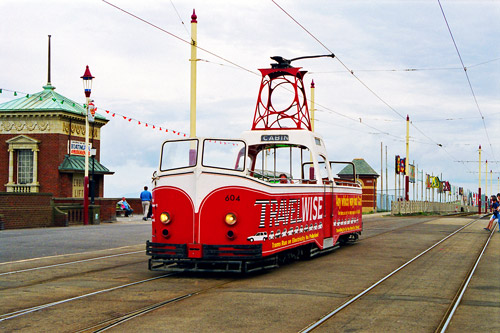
94	214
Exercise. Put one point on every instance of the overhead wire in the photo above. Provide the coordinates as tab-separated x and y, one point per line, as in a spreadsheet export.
180	18
357	78
253	72
409	69
468	79
226	60
179	38
352	73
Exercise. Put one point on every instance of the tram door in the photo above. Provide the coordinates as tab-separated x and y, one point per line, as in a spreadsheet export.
327	196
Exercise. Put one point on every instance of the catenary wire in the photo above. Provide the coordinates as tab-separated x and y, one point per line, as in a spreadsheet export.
179	38
180	18
360	81
468	79
222	58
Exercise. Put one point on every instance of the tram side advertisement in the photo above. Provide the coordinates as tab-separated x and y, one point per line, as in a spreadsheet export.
279	221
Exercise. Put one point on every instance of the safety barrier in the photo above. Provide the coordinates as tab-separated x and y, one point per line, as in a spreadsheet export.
412	207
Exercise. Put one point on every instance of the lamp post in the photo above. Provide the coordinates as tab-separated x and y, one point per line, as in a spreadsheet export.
87	86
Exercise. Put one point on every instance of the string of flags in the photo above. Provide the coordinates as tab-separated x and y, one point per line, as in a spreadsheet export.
124	117
112	114
152	126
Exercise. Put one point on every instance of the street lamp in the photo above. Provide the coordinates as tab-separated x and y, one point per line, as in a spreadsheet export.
87	87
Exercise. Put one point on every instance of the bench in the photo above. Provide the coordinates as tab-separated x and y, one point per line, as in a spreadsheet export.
119	210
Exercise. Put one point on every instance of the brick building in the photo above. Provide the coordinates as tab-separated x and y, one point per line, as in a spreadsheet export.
368	179
42	140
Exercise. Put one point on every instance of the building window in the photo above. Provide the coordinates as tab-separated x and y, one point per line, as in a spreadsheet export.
24	166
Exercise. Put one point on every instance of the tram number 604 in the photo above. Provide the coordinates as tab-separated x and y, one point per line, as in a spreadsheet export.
232	197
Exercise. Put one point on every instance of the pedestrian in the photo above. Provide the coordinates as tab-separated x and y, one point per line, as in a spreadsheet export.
496	213
146	202
125	206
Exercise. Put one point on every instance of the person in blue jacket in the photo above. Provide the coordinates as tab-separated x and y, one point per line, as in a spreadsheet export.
496	214
146	198
125	206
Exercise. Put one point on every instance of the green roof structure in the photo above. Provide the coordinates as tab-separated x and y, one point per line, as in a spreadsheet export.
76	164
362	169
46	100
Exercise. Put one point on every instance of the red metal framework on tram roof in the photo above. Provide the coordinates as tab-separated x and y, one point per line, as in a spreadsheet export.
280	112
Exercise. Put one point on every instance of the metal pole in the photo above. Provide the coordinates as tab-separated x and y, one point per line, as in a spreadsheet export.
381	173
486	187
407	161
479	188
387	183
312	105
194	59
86	178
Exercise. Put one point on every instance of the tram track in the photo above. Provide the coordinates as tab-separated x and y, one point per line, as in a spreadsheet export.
22	312
69	263
111	323
449	313
180	288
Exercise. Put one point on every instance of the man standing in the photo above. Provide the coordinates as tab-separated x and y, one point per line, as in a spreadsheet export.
146	201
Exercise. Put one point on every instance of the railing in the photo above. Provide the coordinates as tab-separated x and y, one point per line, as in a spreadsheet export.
411	207
74	213
22	188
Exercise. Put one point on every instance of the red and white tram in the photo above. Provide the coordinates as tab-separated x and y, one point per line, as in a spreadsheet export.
246	204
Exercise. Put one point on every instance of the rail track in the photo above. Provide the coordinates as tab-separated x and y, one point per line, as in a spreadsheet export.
453	304
186	287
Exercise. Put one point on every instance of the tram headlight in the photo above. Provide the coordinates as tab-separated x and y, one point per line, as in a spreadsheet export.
165	218
230	219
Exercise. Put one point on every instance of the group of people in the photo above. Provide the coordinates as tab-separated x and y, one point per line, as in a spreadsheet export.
495	207
146	198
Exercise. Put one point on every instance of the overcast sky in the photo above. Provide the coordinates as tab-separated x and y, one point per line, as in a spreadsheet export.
401	53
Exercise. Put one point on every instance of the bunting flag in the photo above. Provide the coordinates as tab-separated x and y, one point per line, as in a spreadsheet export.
113	114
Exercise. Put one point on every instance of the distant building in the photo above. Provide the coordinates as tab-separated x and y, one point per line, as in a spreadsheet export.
368	179
42	139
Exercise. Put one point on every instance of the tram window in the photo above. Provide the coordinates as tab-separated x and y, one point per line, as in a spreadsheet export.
323	168
224	154
343	171
271	161
178	154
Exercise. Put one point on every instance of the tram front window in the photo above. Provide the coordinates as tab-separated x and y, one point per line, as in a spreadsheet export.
273	163
224	154
178	154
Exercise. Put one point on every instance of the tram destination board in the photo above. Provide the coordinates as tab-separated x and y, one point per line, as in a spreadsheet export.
276	137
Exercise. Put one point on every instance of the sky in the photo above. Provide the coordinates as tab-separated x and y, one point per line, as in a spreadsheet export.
393	59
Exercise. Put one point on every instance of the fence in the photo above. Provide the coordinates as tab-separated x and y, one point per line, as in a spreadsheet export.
411	207
384	202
